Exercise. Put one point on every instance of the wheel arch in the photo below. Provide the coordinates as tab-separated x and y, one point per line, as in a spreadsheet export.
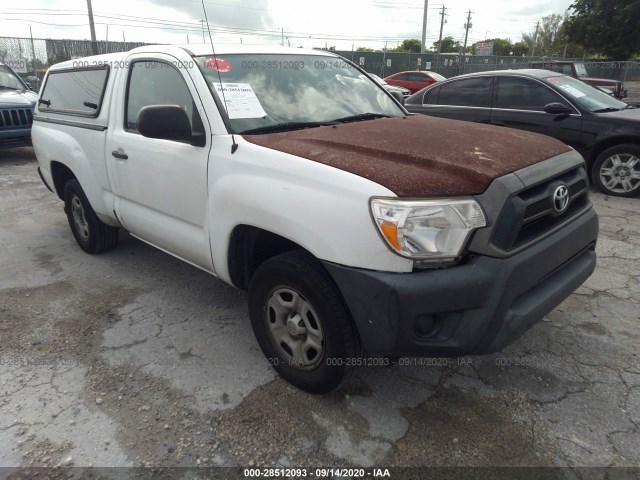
61	174
250	247
600	147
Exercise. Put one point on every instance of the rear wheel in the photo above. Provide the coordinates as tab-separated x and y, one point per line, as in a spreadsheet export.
302	324
616	171
90	232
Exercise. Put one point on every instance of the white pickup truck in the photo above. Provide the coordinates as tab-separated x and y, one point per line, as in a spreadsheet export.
355	227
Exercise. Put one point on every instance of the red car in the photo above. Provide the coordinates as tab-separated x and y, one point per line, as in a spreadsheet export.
414	80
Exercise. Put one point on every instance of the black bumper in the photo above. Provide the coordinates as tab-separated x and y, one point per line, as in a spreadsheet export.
478	307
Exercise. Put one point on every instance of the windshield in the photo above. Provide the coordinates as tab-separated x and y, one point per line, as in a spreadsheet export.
586	96
581	71
269	90
9	80
437	76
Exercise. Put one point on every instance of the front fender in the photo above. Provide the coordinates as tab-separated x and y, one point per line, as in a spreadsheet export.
323	209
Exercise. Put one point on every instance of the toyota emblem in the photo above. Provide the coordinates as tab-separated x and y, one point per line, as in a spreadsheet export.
560	198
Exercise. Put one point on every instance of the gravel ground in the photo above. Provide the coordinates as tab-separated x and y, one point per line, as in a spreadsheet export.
135	359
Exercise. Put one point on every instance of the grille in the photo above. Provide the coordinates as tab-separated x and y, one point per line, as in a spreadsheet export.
531	213
15	118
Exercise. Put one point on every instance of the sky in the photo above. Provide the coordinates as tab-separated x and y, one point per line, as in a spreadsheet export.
345	24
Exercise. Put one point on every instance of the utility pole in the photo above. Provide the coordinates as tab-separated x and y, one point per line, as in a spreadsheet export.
282	30
94	45
384	59
33	53
535	39
424	26
442	14
467	27
106	44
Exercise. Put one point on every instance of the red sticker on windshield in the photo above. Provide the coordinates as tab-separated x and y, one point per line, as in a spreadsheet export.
553	80
218	65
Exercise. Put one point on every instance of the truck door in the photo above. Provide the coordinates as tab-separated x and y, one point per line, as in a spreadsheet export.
161	185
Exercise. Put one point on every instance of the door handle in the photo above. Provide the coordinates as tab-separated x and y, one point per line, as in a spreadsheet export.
120	154
498	124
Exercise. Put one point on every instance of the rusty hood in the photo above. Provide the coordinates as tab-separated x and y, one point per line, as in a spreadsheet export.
418	156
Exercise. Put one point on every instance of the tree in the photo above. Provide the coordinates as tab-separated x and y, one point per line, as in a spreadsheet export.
449	45
364	49
606	26
548	42
519	49
412	45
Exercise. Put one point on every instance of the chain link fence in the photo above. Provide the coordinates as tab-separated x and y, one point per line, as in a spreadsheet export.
32	57
449	64
35	56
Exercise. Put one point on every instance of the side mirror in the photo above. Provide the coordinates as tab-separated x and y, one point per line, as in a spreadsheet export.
398	96
557	108
28	85
167	122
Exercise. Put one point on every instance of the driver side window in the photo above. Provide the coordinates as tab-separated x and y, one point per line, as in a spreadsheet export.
157	83
523	94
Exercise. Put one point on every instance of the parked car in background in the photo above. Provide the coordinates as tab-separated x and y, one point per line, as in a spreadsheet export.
17	103
414	80
603	129
405	92
579	71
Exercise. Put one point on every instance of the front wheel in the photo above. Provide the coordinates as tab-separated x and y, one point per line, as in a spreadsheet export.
90	232
302	324
616	171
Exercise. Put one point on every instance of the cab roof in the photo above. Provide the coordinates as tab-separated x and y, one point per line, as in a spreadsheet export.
193	49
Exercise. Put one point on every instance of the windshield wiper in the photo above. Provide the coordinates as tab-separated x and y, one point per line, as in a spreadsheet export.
283	127
608	109
362	116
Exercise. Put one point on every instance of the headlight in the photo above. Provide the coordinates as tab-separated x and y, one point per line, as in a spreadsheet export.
427	230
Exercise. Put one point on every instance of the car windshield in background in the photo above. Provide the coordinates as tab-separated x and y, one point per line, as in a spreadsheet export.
586	96
293	90
437	76
8	79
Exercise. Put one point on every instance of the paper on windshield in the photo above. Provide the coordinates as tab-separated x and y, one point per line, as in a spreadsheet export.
572	91
241	100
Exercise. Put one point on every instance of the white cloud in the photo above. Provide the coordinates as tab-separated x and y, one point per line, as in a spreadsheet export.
340	23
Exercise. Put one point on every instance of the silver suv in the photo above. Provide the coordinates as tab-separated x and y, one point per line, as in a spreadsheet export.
17	103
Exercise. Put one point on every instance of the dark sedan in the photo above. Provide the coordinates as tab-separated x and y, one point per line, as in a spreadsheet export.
603	129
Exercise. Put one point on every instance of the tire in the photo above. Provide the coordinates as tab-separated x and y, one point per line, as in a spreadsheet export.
616	171
302	324
90	232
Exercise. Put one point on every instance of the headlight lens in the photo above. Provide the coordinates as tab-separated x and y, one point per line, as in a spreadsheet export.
428	230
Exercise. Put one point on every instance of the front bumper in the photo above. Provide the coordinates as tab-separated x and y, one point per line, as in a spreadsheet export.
477	307
13	138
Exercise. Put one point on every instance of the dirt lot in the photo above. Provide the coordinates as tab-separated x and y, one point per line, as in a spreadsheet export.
133	358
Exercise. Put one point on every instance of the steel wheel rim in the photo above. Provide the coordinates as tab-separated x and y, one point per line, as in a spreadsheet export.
78	218
620	173
294	328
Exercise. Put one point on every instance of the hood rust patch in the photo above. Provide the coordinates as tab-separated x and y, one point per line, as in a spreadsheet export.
418	156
